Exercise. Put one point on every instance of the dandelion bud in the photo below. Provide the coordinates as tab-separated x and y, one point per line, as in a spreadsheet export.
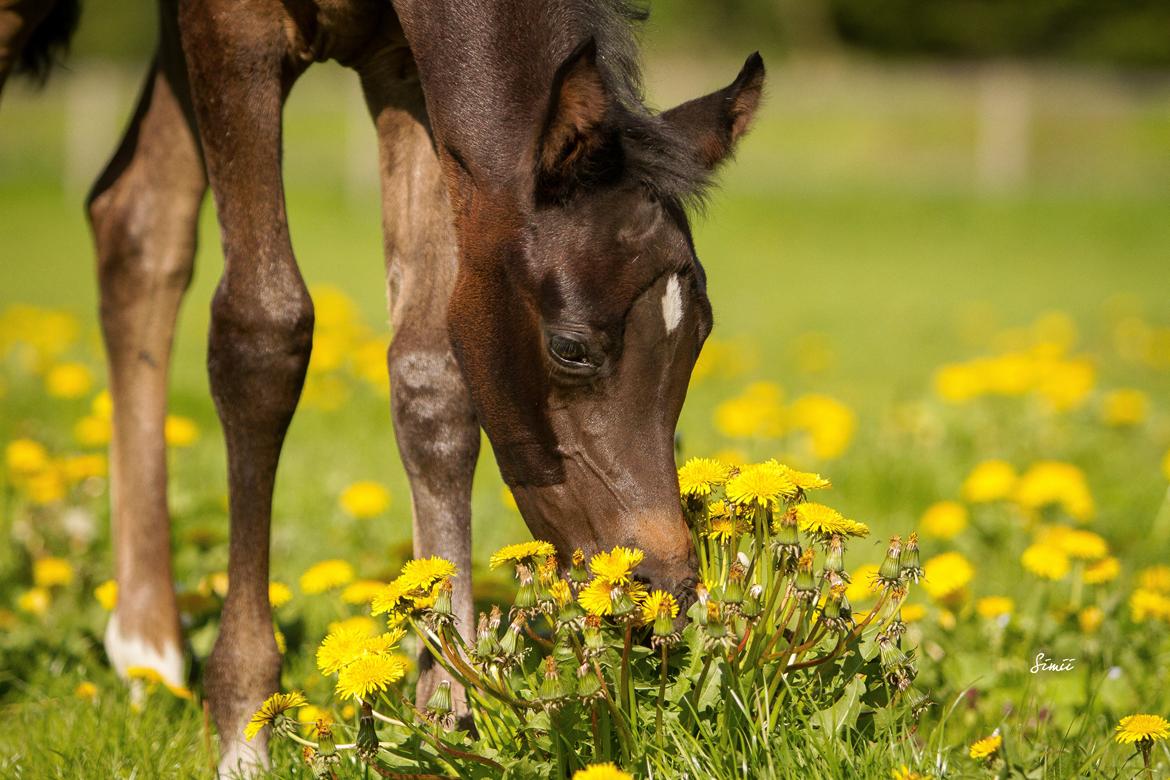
715	625
442	605
440	702
623	605
494	619
326	747
753	605
806	586
733	594
918	701
891	568
891	654
832	614
551	689
702	593
487	644
588	684
367	736
512	644
594	641
835	556
911	563
577	573
526	594
785	528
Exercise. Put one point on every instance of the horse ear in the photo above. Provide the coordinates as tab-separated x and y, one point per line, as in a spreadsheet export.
713	123
572	129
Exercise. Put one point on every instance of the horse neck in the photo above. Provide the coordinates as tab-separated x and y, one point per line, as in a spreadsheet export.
487	68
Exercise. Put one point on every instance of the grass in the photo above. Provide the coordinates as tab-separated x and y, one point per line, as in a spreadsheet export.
895	269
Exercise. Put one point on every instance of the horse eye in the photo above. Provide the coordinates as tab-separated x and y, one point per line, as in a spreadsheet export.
568	350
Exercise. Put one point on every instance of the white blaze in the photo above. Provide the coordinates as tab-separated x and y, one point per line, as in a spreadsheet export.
672	304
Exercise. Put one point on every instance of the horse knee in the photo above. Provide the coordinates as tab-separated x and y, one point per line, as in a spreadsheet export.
145	243
433	418
261	337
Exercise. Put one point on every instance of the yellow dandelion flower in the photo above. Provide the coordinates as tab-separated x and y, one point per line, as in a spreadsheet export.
1046	561
991	480
346	644
761	484
722	528
944	519
561	593
68	380
326	575
1155	578
992	607
146	674
1105	570
601	772
946	575
45	487
1125	408
49	572
805	480
523	551
829	423
824	520
107	595
25	456
389	599
906	773
756	412
699	476
1083	545
86	691
1142	728
102	405
357	622
1147	604
92	431
657	601
281	644
78	468
309	715
616	566
425	573
365	499
986	747
370	674
361	591
279	594
34	601
912	613
596	598
1090	619
180	431
273	707
1053	483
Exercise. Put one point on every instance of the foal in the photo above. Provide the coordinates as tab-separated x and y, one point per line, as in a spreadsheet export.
542	281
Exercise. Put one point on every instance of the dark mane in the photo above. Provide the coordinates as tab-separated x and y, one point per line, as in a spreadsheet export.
49	40
654	154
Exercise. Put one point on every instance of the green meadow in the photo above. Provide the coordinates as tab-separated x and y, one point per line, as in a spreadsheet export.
855	247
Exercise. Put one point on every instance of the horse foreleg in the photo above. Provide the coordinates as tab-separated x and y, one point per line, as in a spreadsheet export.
434	422
143	211
261	334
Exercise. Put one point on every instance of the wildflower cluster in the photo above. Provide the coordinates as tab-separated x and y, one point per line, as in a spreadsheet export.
590	664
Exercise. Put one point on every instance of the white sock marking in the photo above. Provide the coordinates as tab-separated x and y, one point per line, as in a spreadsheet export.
126	652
